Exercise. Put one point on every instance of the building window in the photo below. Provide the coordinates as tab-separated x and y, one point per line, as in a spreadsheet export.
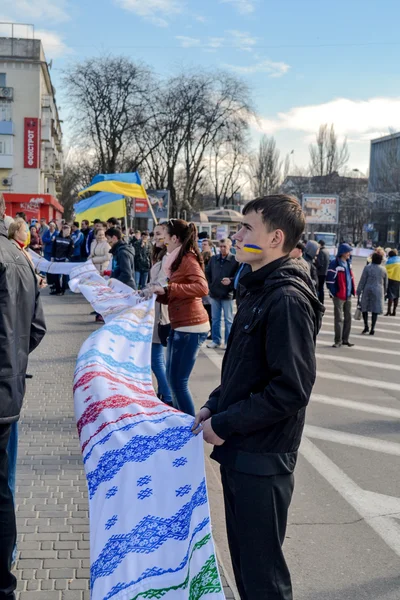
2	80
6	144
5	110
391	234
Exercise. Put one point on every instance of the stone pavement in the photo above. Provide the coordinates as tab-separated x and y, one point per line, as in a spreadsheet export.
52	511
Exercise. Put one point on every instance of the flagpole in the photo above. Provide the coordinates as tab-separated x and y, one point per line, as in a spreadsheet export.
152	211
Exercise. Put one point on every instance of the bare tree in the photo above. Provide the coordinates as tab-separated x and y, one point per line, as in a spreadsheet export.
326	155
265	168
108	100
78	173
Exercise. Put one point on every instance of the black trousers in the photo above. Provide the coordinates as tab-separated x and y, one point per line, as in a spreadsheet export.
8	530
321	288
256	510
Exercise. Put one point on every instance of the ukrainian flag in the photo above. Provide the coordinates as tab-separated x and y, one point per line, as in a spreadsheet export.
100	206
125	184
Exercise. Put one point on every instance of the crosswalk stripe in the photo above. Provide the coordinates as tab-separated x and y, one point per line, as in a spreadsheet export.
375	338
352	439
354	405
358	361
360	327
372	383
373	349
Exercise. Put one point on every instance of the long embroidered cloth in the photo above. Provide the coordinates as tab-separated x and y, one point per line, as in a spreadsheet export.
150	533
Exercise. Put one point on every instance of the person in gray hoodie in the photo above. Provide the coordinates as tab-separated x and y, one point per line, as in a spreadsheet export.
322	264
310	254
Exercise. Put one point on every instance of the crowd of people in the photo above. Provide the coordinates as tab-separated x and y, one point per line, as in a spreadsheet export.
255	417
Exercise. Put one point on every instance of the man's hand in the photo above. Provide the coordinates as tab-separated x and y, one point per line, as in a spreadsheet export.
226	281
209	434
159	290
202	415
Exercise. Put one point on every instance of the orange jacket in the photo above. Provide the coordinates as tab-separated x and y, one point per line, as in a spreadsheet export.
187	286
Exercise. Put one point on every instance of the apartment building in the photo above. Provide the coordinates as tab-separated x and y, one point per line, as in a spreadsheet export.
31	160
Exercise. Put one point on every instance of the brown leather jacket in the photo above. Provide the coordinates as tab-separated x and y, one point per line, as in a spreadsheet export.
187	286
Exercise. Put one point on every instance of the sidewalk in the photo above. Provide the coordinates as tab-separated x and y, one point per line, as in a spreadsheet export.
52	512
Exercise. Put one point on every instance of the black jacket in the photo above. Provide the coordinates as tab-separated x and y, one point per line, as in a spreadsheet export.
22	325
216	270
123	264
142	256
322	262
240	289
268	371
63	248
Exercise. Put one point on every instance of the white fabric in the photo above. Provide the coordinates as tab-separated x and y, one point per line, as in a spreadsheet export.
150	534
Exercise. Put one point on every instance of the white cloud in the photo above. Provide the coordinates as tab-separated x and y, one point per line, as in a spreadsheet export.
215	42
187	42
244	7
360	120
200	19
242	40
273	69
54	11
156	11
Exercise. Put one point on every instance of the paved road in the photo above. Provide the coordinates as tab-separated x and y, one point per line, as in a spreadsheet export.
52	514
343	539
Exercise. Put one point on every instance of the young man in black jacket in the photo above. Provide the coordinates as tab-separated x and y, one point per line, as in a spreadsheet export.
255	418
123	261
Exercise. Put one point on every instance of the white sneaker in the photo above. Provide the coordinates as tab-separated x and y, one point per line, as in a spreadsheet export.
213	345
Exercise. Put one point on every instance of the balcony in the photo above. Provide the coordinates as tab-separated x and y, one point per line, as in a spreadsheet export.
6	93
6	161
6	128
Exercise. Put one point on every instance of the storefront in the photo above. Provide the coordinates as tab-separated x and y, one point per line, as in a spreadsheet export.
35	206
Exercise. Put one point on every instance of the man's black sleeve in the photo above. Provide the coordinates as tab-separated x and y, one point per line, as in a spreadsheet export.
125	266
290	354
38	325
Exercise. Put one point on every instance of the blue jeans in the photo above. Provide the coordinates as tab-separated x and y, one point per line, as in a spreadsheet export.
158	368
141	279
217	306
182	351
12	453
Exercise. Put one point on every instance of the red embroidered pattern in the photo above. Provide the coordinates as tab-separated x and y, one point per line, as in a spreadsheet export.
87	378
118	401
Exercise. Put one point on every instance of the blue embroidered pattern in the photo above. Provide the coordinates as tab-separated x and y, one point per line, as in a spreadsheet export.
146	493
150	533
130	426
180	462
138	449
133	336
95	355
156	571
182	491
143	480
111	522
111	492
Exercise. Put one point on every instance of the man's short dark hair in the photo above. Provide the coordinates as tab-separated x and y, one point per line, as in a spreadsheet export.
321	243
85	221
280	212
114	232
377	258
145	233
22	215
300	246
75	224
113	220
97	221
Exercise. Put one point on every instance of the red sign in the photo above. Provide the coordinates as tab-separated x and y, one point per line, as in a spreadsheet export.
32	136
141	205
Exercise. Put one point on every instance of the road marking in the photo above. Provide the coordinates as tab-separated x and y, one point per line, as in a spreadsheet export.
352	439
373	383
374	409
376	351
358	361
371	506
374	339
215	358
361	326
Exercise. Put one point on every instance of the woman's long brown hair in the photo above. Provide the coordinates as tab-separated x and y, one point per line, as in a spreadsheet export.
187	235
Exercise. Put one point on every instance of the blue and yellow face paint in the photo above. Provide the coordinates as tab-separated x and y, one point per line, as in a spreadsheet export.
252	248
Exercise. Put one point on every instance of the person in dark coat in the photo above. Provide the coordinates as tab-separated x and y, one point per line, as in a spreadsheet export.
255	418
310	253
63	249
322	263
142	260
22	328
123	261
220	272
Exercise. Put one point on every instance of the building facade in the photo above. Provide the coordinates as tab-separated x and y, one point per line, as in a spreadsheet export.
384	189
31	159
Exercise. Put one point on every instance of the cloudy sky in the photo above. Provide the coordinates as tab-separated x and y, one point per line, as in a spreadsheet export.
307	61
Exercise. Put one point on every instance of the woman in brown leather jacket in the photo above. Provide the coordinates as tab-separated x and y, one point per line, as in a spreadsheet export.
187	285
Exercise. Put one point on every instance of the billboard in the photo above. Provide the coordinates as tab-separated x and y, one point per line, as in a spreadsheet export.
32	138
322	210
159	200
